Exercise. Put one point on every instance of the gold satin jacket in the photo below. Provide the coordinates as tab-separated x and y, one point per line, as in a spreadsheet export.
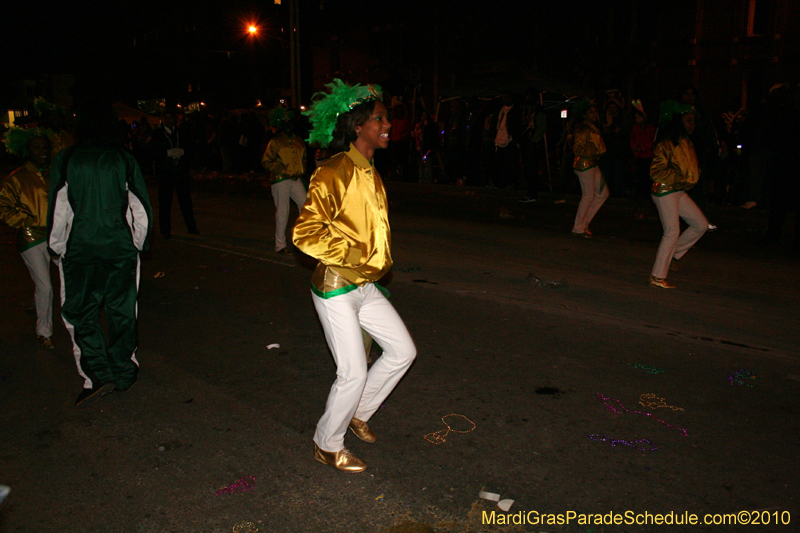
588	146
23	204
285	157
345	225
674	168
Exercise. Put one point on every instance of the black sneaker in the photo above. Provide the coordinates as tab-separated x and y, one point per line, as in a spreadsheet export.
90	396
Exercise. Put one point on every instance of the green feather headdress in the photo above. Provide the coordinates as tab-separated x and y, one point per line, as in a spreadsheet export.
340	98
669	108
42	106
16	139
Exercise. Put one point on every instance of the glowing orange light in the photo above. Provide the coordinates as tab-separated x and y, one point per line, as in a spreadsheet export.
252	29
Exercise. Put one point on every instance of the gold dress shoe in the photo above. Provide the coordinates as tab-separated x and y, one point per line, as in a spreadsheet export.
342	460
362	431
45	342
661	283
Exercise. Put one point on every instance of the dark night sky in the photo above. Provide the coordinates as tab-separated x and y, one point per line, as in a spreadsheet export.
181	42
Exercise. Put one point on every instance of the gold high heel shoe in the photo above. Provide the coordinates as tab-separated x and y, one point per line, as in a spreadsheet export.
362	431
661	283
342	460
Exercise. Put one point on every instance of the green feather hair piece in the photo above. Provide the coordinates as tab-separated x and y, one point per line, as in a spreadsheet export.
16	139
669	108
340	98
42	106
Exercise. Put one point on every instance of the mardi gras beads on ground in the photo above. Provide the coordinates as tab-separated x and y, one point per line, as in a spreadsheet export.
245	527
622	409
632	443
649	369
243	485
438	437
737	377
654	402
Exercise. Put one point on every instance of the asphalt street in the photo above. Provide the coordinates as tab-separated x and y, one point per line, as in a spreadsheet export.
570	386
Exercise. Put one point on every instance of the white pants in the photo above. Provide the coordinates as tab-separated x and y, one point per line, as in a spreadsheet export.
37	259
671	208
594	193
357	393
282	192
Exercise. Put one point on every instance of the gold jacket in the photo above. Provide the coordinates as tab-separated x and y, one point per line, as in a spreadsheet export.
674	168
588	146
285	157
23	204
345	225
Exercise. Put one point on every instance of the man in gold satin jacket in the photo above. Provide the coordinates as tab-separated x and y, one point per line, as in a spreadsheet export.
285	159
23	205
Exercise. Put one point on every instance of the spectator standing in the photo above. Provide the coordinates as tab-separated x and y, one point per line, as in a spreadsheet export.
399	136
455	149
534	154
643	136
98	221
488	133
228	138
252	140
168	150
784	192
23	205
615	161
506	142
426	140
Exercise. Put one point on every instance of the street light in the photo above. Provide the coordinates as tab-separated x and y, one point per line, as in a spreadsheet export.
252	29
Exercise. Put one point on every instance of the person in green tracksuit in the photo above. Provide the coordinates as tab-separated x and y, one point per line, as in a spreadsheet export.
98	221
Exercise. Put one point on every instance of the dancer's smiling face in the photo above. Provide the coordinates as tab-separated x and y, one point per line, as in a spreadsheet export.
374	133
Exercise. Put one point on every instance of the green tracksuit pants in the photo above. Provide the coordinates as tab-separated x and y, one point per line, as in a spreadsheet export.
86	287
